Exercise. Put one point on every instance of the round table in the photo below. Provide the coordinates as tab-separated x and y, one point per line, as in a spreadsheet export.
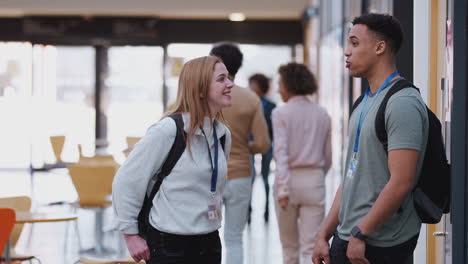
43	217
23	217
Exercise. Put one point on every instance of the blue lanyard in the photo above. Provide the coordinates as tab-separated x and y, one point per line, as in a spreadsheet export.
363	104
214	175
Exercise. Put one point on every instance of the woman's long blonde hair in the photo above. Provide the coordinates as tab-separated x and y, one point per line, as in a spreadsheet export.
192	96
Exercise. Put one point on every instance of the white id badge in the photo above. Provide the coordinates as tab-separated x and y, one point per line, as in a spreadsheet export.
213	208
352	167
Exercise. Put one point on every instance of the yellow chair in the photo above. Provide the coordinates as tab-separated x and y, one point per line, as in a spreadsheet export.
97	161
131	141
17	203
93	184
57	145
125	260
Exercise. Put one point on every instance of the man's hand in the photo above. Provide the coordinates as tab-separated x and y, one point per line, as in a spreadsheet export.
137	247
356	251
283	201
321	252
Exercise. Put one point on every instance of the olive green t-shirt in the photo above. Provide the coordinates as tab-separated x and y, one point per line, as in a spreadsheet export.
406	123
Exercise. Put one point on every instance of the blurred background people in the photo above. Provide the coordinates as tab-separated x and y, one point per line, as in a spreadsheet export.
260	84
303	156
244	118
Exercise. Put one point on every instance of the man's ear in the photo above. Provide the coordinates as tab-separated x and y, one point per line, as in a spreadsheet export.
380	47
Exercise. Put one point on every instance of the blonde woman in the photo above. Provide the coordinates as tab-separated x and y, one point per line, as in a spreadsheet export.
185	213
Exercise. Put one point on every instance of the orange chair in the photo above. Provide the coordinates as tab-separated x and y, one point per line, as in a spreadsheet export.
20	203
6	227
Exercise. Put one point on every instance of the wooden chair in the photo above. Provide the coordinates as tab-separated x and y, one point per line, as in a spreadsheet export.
18	203
96	161
131	141
57	145
124	260
94	187
93	183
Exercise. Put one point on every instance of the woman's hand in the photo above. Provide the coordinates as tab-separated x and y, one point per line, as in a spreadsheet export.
283	201
137	247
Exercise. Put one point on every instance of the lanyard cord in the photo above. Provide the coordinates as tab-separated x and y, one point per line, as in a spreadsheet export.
214	167
363	104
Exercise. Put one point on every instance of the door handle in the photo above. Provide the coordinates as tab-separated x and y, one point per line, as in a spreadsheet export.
438	234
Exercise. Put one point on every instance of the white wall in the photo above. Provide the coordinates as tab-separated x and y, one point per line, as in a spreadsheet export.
421	80
421	46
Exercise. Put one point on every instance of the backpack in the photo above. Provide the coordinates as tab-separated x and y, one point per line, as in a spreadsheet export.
431	194
178	147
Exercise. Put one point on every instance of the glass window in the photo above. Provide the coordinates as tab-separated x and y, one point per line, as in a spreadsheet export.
15	107
264	59
63	100
132	97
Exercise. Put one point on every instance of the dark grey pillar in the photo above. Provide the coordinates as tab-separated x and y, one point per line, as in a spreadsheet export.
100	75
459	135
165	95
403	11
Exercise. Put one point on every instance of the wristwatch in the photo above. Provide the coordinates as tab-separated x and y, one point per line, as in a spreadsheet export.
356	232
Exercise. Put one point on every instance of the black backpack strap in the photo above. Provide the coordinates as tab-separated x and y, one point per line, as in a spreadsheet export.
356	103
223	141
178	147
380	129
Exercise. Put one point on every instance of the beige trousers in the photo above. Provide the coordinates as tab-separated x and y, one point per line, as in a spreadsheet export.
300	221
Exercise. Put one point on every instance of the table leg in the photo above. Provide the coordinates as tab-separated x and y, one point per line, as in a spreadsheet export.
98	231
99	251
7	251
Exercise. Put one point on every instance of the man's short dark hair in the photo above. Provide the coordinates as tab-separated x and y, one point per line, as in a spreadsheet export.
262	81
297	79
386	27
230	54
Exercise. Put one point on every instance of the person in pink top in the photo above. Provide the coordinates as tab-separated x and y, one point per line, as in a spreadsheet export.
302	152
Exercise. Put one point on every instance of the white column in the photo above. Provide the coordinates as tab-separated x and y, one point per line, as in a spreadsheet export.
421	37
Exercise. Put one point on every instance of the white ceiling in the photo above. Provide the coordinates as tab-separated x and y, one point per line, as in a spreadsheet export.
254	9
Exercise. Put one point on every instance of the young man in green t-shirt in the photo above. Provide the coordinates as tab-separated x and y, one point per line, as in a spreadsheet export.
372	219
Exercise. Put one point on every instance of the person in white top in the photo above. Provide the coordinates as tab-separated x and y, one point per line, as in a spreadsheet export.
185	213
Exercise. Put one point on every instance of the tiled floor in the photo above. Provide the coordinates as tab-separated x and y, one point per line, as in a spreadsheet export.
48	242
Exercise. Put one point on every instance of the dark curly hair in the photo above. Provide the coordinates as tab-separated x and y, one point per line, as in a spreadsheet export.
385	26
262	81
230	54
297	79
